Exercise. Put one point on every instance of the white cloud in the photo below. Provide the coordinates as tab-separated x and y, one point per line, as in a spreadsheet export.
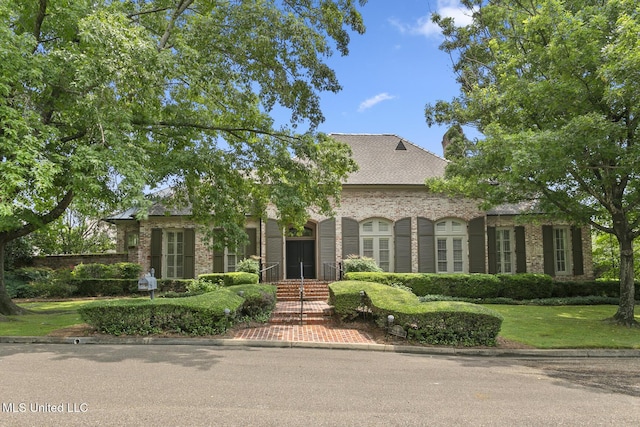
368	103
424	26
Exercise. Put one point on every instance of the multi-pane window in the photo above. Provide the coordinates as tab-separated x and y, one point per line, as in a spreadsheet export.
561	250
504	250
175	254
376	241
451	246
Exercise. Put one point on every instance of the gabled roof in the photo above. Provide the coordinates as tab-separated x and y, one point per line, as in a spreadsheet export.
387	159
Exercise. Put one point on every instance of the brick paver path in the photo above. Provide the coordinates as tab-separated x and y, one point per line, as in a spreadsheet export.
308	333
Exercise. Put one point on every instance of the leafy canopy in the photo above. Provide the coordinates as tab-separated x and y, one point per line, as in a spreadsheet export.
100	100
554	86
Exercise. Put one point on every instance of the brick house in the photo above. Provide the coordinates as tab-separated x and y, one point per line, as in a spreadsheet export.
386	213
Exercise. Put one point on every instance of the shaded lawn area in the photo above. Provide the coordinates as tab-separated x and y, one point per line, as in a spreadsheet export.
565	326
46	317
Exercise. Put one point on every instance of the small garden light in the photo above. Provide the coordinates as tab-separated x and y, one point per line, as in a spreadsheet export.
241	293
390	320
227	312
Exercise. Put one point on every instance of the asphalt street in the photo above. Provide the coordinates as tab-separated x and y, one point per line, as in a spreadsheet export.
190	385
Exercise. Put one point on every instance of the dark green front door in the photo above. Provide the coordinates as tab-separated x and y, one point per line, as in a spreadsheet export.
301	251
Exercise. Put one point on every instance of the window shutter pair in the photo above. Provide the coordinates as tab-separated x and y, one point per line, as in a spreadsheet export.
549	255
492	250
189	252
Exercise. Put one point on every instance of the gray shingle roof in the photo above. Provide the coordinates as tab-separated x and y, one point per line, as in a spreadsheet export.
387	159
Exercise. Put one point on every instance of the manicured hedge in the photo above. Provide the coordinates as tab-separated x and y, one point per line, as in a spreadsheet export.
442	322
120	270
199	315
230	279
600	288
515	286
259	300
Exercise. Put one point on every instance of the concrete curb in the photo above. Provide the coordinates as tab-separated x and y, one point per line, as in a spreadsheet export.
435	351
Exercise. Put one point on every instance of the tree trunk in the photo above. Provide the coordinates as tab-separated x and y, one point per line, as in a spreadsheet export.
625	314
7	306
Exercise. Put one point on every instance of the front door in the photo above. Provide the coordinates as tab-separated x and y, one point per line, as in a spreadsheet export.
301	251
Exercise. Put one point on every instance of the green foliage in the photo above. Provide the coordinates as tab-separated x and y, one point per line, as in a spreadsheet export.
442	323
73	233
201	286
526	286
553	90
259	300
357	263
18	253
516	286
248	265
194	315
103	100
230	279
93	271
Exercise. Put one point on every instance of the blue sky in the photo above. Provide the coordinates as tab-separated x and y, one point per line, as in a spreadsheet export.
392	72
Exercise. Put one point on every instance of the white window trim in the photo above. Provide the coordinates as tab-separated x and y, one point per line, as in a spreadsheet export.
566	251
376	235
165	252
449	235
500	253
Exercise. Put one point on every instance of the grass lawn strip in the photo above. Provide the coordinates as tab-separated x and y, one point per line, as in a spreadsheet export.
548	327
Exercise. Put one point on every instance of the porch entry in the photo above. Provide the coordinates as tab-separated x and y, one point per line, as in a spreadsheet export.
301	251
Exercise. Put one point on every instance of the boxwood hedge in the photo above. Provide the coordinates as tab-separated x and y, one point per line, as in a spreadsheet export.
442	322
514	286
198	315
230	279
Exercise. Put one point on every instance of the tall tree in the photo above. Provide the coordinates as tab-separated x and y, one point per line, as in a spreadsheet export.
100	99
554	87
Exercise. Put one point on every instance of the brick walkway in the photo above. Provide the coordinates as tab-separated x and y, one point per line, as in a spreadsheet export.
307	333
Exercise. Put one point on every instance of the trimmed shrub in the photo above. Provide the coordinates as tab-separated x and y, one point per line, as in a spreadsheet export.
126	270
526	286
259	300
356	263
230	279
601	288
196	315
93	271
249	265
88	287
201	286
474	286
442	323
52	289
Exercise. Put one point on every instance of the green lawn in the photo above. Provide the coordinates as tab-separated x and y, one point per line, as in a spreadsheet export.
45	318
565	327
540	327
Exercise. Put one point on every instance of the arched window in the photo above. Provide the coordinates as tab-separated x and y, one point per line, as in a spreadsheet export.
376	241
451	246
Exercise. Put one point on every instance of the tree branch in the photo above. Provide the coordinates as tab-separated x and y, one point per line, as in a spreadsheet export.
52	215
42	11
182	6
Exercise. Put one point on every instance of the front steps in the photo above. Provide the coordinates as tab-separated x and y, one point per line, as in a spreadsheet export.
314	290
315	309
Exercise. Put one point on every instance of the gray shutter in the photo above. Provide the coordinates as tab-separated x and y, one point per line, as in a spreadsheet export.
274	244
492	252
426	246
402	245
547	250
327	243
350	237
477	250
189	253
576	249
521	250
156	251
252	247
218	261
